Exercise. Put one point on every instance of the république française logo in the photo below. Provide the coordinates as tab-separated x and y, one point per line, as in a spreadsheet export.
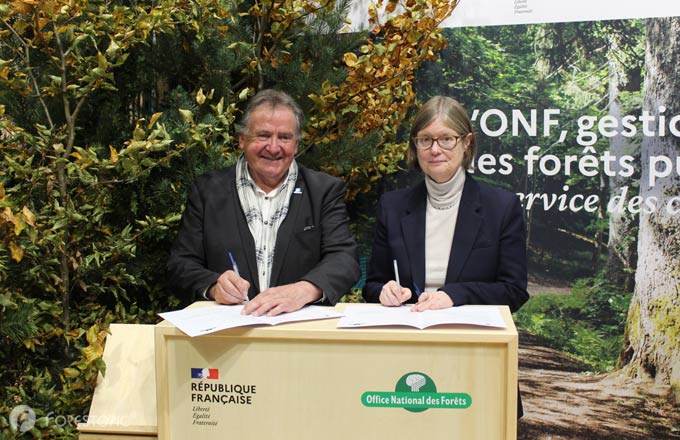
415	392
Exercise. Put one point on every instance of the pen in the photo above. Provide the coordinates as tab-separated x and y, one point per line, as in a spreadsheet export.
234	266
396	273
418	291
396	277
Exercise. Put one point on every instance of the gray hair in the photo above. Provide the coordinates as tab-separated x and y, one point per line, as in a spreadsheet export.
273	98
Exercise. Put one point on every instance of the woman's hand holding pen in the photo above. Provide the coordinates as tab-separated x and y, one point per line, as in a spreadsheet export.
230	288
393	295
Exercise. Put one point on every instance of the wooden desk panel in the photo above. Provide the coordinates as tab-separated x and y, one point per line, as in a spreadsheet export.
308	380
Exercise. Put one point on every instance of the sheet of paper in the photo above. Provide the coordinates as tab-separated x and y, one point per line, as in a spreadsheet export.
378	315
203	320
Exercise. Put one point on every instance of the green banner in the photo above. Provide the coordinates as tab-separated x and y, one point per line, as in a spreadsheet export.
409	400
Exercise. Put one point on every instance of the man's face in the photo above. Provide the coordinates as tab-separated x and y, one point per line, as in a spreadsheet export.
270	144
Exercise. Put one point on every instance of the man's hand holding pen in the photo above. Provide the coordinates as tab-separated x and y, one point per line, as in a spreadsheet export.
230	288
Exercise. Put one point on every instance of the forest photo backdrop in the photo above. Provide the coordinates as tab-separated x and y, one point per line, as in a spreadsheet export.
109	109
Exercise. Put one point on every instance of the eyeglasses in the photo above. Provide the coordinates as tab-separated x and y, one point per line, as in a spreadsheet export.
445	142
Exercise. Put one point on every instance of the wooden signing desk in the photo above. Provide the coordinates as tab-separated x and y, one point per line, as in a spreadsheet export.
307	380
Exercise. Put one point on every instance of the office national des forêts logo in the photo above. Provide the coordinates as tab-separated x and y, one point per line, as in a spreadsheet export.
415	392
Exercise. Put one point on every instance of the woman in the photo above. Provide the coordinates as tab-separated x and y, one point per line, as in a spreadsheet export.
449	240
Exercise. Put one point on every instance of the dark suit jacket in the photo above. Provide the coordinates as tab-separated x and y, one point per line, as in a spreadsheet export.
488	263
313	243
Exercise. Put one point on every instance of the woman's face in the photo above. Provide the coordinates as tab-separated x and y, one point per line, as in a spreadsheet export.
438	163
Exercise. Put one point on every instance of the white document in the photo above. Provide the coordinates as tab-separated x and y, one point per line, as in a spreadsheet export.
377	315
203	320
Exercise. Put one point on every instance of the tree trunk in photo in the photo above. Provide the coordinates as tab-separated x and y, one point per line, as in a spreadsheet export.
621	246
652	340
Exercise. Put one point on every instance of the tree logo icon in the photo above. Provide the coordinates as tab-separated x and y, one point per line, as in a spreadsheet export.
22	418
415	382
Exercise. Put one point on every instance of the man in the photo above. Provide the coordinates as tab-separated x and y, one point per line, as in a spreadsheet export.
266	230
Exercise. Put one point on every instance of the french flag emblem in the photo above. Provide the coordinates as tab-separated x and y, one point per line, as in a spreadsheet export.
205	373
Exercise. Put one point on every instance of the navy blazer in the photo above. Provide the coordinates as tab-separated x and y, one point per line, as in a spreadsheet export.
313	243
488	263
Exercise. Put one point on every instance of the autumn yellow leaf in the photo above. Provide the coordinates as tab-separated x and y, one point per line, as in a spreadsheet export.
16	251
71	373
22	7
6	215
138	133
29	217
200	97
350	59
187	115
93	352
154	119
19	225
94	335
114	154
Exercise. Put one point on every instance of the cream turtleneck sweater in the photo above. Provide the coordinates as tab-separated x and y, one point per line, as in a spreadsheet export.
443	201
